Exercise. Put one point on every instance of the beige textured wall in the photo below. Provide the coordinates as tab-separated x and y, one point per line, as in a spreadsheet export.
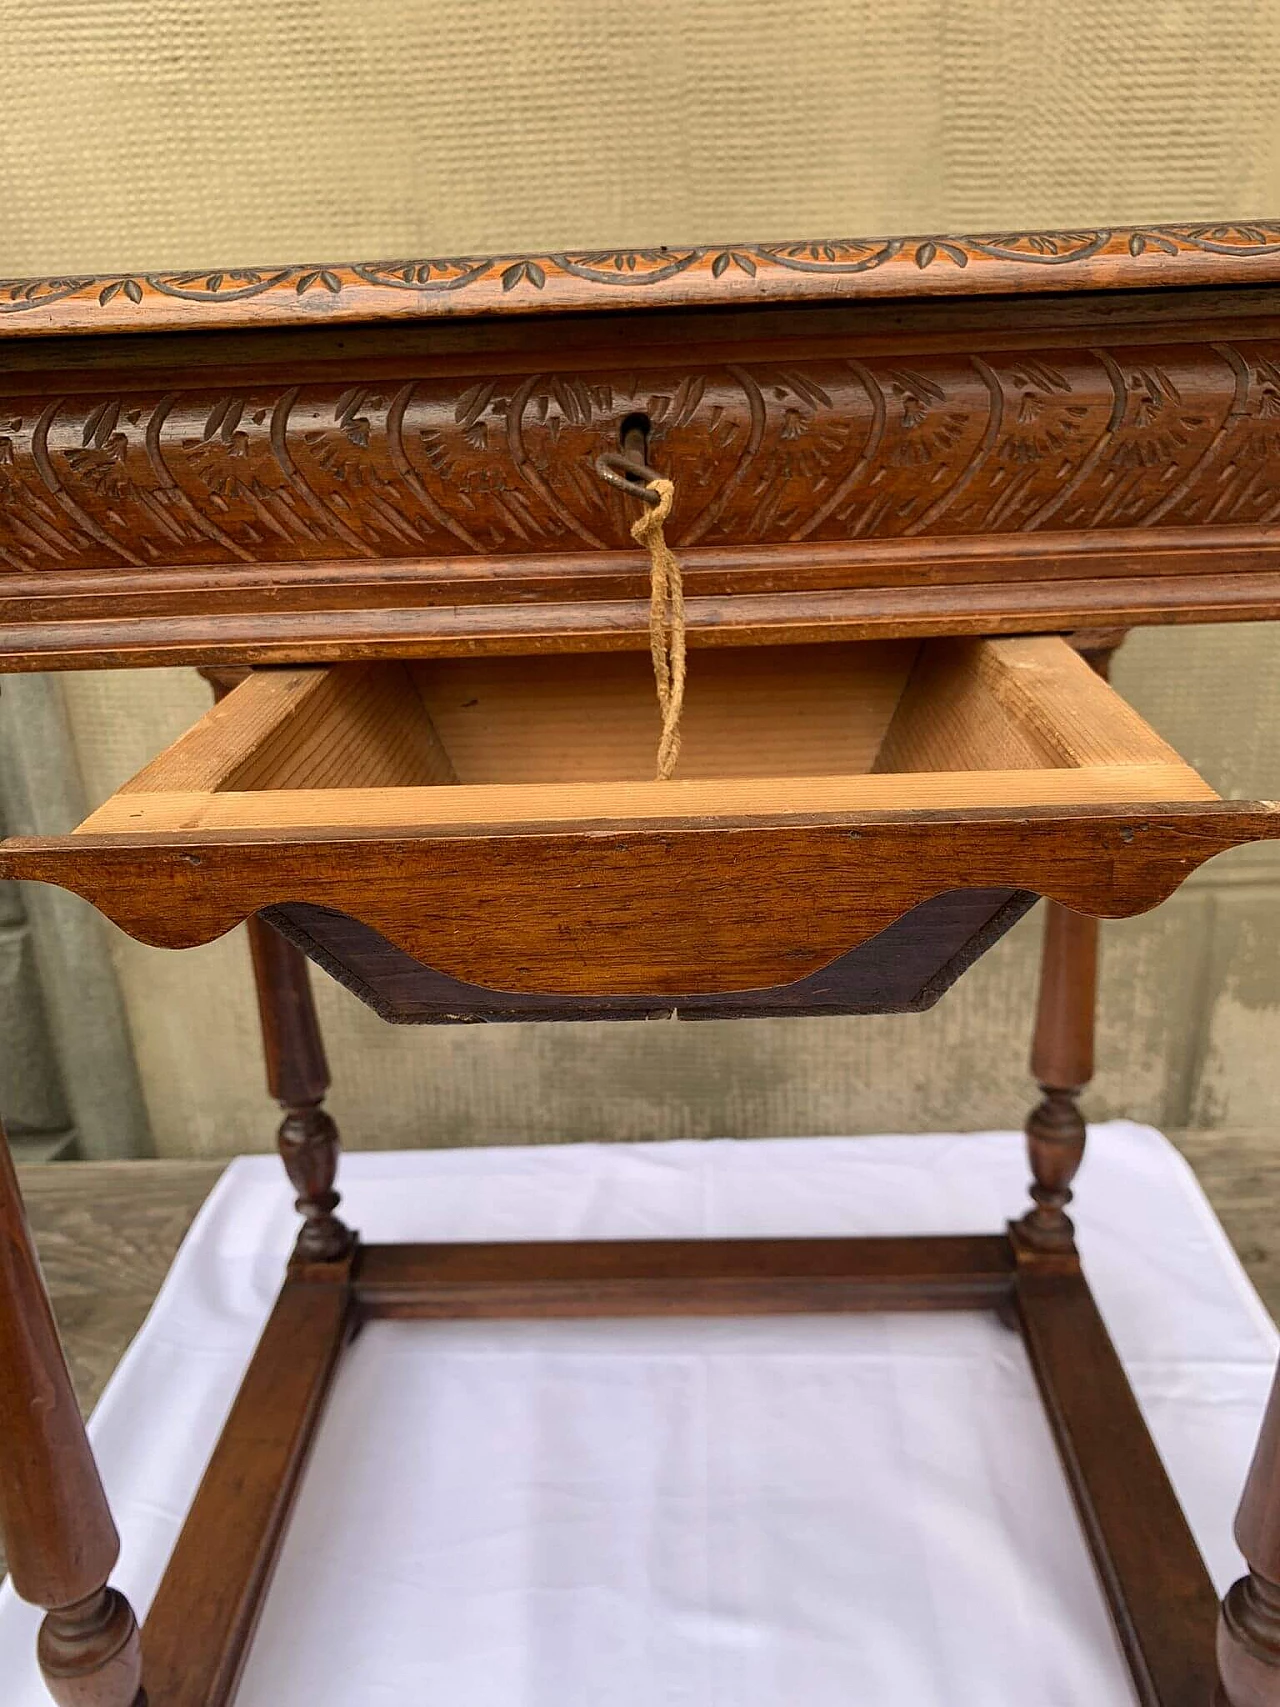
189	132
201	132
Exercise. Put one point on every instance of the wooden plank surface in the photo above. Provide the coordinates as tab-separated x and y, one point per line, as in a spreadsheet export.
106	1233
682	1277
196	1636
779	711
224	632
1049	690
731	798
766	730
1162	1602
365	729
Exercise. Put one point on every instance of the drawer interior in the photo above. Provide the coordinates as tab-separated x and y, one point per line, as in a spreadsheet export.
898	726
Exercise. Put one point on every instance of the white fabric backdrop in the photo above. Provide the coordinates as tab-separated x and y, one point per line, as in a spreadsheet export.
839	1511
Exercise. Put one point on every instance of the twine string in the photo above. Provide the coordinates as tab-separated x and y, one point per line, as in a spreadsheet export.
666	622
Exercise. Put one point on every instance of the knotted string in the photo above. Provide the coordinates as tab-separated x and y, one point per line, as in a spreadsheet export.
666	622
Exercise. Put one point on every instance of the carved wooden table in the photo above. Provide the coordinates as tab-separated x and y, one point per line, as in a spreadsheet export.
921	488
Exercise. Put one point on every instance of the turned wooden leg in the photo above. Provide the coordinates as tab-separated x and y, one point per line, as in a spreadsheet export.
58	1534
1062	1052
1249	1624
1062	1062
298	1077
297	1072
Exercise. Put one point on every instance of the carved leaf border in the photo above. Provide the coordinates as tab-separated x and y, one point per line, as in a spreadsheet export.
1126	257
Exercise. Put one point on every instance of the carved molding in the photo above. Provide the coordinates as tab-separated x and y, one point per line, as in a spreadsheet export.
1099	258
837	448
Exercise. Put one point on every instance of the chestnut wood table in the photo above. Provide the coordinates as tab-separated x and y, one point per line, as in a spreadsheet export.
921	487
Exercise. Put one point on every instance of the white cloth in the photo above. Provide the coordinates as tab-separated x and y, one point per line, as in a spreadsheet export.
837	1511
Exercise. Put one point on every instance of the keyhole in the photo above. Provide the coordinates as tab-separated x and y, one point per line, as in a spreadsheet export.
633	437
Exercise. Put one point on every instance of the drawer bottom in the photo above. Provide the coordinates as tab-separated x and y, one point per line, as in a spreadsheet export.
905	969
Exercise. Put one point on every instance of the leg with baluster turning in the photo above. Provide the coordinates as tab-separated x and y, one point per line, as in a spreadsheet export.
1249	1623
298	1077
1062	1062
58	1533
1062	1052
297	1072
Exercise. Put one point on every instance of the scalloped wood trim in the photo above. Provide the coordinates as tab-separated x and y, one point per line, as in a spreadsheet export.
680	906
822	270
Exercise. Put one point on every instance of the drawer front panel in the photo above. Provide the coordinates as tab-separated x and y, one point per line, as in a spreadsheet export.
826	448
652	913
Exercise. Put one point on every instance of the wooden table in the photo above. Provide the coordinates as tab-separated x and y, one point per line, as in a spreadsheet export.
917	488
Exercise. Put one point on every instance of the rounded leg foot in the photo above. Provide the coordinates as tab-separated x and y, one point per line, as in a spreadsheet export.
91	1655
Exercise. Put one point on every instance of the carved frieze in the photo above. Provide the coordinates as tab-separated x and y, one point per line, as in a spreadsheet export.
820	449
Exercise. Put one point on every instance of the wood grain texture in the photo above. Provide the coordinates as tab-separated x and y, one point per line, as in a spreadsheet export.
225	634
112	1229
755	711
905	969
1127	257
236	734
1062	1047
646	926
61	1542
1063	705
942	465
197	1634
357	738
298	1077
736	800
948	719
106	1233
768	731
682	1277
1066	1006
1062	1065
297	1070
778	711
1258	1520
1248	1644
784	441
677	908
1013	704
56	1526
351	726
1161	1599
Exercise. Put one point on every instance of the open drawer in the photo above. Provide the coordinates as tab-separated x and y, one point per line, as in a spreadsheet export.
851	824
